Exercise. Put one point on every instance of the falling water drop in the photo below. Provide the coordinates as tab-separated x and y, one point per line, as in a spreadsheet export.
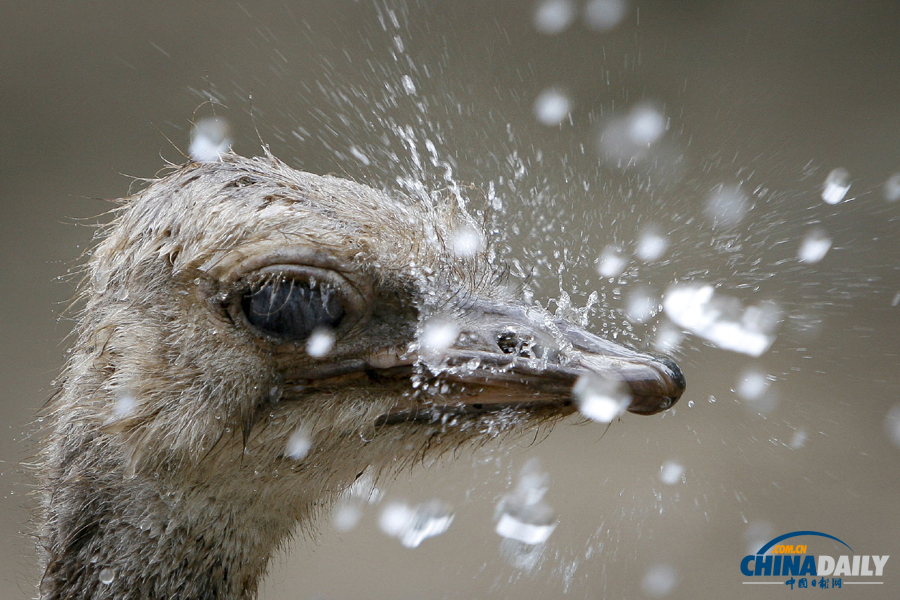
671	472
210	138
659	580
413	525
836	186
814	247
892	425
612	262
603	15
554	16
552	106
726	206
651	245
892	188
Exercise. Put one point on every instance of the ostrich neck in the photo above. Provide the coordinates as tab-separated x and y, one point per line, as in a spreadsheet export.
110	536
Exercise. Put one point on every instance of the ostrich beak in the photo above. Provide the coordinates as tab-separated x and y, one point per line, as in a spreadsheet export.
515	357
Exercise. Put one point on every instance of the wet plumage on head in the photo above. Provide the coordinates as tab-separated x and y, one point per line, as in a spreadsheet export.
165	468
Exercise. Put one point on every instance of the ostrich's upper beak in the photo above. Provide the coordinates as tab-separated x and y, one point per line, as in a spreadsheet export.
508	356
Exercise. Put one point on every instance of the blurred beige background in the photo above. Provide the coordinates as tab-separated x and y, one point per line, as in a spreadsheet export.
773	95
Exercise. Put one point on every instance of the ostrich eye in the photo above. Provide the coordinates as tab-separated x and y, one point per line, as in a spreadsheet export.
290	310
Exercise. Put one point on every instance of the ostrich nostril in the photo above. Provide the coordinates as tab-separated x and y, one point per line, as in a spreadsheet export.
508	342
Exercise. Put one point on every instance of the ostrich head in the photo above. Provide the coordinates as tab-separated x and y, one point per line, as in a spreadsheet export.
235	307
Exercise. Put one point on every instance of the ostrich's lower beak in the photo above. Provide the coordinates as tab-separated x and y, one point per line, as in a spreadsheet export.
522	358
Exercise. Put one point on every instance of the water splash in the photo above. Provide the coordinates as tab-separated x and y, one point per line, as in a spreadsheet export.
722	320
523	519
414	525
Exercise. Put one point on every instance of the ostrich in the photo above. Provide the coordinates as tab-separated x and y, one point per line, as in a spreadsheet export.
163	465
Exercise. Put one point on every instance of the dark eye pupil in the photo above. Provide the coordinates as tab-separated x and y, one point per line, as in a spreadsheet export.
291	310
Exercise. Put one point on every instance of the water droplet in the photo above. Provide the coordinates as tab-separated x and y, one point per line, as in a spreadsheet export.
523	519
752	385
798	440
726	206
512	527
438	334
599	398
299	444
836	186
612	262
754	388
645	125
659	580
626	140
346	515
554	16
603	15
210	138
722	320
671	472
757	534
892	188
408	85
552	106
124	405
466	241
358	154
892	425
651	245
668	338
413	525
815	246
641	305
320	342
107	576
